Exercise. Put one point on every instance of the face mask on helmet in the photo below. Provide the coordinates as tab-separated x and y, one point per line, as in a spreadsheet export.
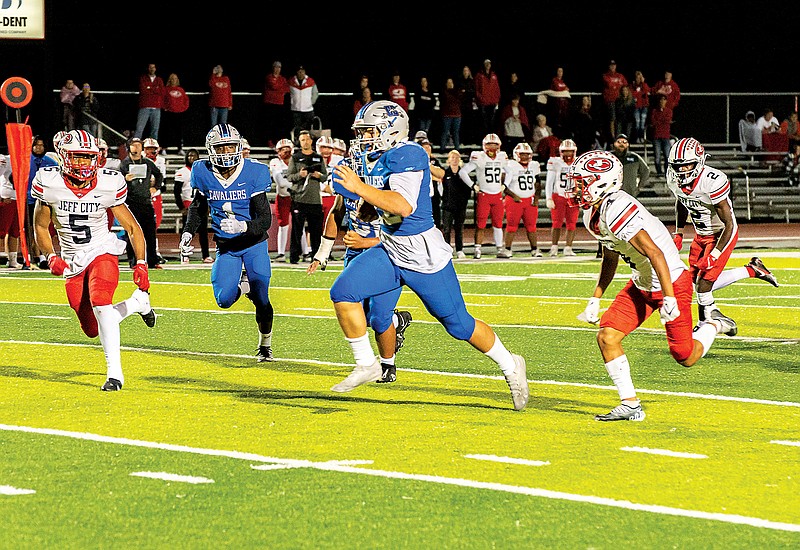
324	141
80	153
592	177
379	126
567	150
686	160
523	149
229	141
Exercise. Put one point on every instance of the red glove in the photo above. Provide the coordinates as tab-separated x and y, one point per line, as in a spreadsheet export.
706	263
56	264
140	276
677	238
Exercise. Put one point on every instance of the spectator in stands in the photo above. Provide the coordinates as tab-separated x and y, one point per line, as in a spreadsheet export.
151	101
612	82
635	172
307	172
69	91
768	123
749	133
661	123
625	110
450	101
641	93
540	131
183	198
363	82
366	97
455	198
176	103
398	92
668	88
516	127
583	126
303	95
487	97
425	104
791	164
470	116
559	112
276	119
87	109
220	96
511	88
791	128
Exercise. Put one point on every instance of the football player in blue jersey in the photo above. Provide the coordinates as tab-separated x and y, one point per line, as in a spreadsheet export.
234	190
393	174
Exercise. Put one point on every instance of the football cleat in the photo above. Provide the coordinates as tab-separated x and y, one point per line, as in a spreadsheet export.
518	383
761	271
264	354
389	374
403	320
504	253
622	412
244	283
477	252
536	253
460	255
554	251
728	325
112	384
360	375
149	317
43	264
568	251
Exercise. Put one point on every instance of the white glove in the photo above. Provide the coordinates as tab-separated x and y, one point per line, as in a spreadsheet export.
669	310
592	312
232	226
551	204
476	188
186	245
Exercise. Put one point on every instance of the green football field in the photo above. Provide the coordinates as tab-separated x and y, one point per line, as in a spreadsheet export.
204	446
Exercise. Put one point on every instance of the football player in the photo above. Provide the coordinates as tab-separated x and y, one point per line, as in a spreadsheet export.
522	197
702	193
278	167
150	148
557	189
488	166
77	195
659	279
234	190
393	174
324	147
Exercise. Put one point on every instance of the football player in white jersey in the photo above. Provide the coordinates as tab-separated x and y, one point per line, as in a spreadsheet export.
278	167
151	148
488	166
523	191
659	279
557	189
393	174
77	195
703	194
324	147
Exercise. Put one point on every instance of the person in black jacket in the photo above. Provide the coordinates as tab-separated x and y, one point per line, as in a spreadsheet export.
307	173
455	197
143	177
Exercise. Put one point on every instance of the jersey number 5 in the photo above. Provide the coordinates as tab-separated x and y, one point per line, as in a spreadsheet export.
80	228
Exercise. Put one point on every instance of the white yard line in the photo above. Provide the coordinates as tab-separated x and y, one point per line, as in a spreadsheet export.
336	466
509	460
784	442
8	490
164	476
662	452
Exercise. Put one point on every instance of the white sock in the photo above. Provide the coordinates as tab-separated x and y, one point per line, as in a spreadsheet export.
620	372
304	243
108	318
265	340
498	237
730	276
362	350
283	235
126	307
500	355
395	320
389	361
705	333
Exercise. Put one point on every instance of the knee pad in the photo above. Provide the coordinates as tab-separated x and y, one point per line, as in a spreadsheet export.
460	325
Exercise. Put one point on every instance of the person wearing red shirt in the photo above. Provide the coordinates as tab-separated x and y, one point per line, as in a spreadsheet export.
612	82
487	96
176	102
276	114
220	96
668	88
641	93
151	101
398	92
661	123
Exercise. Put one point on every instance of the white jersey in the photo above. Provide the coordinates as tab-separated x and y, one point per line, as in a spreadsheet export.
521	180
278	170
112	163
332	162
183	177
556	183
161	163
619	218
488	171
80	214
711	187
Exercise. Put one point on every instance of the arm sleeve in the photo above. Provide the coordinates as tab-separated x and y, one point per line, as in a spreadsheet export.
549	184
463	173
261	215
193	218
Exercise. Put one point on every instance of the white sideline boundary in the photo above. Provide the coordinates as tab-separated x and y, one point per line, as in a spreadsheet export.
420	371
339	466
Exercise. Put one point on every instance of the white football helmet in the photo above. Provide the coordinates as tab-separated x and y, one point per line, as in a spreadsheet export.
685	162
323	141
567	150
57	141
387	123
339	146
492	138
284	143
79	144
224	134
593	176
523	148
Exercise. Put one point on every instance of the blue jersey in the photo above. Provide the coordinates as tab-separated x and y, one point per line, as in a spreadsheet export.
368	230
230	198
405	157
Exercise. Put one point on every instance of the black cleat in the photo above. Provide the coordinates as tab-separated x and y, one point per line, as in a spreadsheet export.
403	320
264	354
388	375
149	318
112	384
761	271
43	264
